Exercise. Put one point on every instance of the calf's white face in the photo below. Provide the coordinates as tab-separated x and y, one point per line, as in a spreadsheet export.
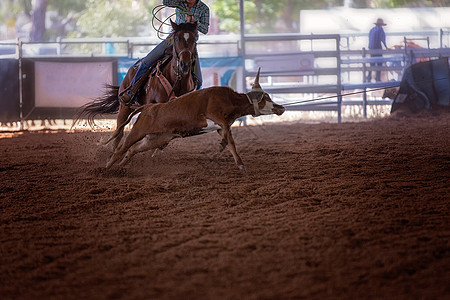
259	98
267	109
265	105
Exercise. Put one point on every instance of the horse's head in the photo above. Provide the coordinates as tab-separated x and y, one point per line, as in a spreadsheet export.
184	42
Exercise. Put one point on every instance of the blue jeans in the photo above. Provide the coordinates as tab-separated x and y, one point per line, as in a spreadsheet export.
158	53
377	73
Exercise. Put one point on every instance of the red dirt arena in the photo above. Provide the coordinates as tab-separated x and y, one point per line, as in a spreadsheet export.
347	211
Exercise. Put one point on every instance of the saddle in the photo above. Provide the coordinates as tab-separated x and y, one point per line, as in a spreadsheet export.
137	88
162	63
156	71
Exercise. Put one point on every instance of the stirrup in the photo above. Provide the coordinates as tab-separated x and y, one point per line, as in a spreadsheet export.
129	102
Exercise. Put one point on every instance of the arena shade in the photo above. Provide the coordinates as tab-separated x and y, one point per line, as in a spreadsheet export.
9	87
55	88
355	23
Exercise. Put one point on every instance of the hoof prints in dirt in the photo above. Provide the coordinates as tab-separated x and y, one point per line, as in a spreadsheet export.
107	173
346	211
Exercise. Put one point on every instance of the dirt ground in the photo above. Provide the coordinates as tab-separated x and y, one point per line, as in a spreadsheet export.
352	210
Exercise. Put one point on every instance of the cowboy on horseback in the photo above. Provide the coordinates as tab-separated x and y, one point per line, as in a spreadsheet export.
187	11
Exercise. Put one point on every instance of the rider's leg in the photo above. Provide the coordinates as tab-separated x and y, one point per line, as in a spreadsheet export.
198	74
146	63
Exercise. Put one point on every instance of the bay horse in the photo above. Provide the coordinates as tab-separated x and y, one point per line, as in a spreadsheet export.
166	79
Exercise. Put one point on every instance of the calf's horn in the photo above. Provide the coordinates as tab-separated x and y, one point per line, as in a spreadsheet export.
256	85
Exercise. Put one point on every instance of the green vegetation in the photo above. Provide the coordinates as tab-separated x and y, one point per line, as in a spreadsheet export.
262	14
112	19
100	18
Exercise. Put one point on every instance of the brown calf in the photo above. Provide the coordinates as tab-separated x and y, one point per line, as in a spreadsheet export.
390	93
214	108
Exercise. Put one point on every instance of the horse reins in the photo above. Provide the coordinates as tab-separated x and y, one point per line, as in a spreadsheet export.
177	69
166	84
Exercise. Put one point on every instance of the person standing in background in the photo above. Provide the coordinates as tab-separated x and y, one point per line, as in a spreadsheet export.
377	38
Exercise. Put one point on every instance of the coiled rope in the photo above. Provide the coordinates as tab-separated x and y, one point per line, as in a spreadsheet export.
155	12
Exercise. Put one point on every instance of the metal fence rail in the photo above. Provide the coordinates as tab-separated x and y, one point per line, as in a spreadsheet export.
314	66
350	73
116	47
320	69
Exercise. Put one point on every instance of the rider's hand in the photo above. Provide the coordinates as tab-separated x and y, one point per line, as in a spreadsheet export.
190	19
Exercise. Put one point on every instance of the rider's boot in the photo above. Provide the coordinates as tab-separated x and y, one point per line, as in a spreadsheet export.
128	95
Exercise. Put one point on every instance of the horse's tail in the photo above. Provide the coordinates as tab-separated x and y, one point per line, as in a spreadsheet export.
106	104
121	127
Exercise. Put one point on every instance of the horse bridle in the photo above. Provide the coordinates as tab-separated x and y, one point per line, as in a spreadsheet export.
177	70
181	52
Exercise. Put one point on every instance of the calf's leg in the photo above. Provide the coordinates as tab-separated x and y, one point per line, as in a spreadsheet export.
149	142
124	112
237	158
224	131
137	133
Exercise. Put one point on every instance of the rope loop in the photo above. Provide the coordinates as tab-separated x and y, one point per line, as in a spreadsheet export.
156	10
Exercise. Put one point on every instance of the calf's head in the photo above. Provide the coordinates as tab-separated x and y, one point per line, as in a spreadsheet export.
390	93
262	103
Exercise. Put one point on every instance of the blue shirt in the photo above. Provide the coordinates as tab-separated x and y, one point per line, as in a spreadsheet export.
200	12
376	37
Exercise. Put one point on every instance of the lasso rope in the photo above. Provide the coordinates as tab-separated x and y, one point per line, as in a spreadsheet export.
355	93
342	95
155	12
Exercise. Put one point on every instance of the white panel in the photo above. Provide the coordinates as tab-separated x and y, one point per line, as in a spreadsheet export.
67	84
